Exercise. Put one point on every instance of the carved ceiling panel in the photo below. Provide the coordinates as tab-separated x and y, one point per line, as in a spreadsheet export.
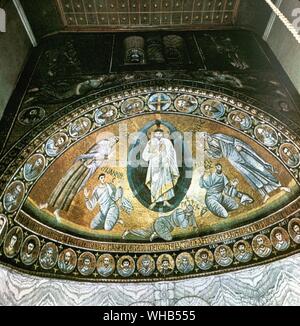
124	14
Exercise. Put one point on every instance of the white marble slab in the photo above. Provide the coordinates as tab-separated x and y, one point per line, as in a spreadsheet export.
274	284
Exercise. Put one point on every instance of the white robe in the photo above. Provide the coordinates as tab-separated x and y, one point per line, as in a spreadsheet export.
163	173
106	197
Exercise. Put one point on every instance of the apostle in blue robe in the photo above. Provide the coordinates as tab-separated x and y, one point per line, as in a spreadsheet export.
258	173
163	226
216	201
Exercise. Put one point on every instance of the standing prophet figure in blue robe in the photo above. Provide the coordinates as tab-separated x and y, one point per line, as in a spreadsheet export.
78	175
257	172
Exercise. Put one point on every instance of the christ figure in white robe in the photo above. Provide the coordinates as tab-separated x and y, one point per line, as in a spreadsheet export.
163	173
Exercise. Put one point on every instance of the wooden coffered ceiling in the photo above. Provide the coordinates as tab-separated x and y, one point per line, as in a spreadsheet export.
52	16
114	14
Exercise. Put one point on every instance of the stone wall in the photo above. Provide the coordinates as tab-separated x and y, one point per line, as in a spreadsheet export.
274	285
284	45
14	49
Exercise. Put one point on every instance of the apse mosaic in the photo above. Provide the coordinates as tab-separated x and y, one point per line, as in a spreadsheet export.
152	183
164	156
